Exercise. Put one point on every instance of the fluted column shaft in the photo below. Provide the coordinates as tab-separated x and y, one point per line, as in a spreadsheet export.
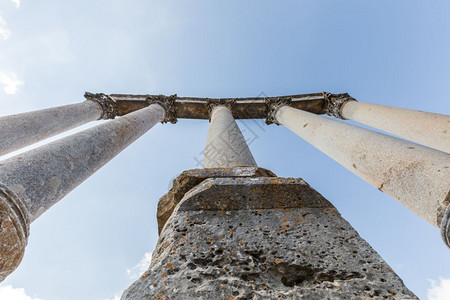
225	144
429	129
32	182
21	130
416	176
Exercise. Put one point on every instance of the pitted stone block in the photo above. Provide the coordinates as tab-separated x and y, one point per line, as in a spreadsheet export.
226	194
262	238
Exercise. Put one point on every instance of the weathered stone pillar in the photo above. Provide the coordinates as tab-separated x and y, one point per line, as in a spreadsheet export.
21	130
429	129
32	182
415	175
225	144
241	233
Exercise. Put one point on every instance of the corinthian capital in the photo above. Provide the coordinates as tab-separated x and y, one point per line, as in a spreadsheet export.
107	104
334	102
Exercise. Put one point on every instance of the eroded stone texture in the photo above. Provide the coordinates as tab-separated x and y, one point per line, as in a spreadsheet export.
262	238
190	178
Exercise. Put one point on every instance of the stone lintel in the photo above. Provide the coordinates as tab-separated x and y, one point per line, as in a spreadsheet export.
242	108
190	178
262	238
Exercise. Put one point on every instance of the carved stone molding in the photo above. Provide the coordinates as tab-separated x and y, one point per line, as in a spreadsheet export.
273	104
168	103
211	103
333	103
14	231
107	104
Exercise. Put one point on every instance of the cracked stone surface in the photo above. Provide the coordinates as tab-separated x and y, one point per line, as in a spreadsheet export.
262	238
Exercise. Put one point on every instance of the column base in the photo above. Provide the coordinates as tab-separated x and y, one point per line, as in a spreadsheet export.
445	227
14	231
262	238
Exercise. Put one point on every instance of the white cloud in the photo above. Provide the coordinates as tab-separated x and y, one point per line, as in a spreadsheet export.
16	2
439	291
11	293
4	31
141	267
10	83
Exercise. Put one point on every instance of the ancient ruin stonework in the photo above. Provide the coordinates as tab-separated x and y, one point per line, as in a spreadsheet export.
190	178
262	238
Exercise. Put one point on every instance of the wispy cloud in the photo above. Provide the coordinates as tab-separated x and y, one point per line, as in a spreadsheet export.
11	293
10	83
4	31
141	267
439	290
16	2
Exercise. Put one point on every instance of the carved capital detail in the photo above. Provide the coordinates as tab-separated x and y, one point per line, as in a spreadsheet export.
14	230
107	104
168	103
211	103
333	104
273	104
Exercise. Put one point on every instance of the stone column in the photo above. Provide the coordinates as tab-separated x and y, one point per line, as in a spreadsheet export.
429	129
415	175
32	182
225	144
244	234
21	130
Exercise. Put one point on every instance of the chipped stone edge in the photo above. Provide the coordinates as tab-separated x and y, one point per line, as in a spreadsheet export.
203	174
445	227
214	182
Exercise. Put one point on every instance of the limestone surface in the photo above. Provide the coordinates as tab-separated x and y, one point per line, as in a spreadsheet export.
414	175
18	131
190	178
262	238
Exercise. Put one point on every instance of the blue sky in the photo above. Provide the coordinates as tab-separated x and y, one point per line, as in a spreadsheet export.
90	244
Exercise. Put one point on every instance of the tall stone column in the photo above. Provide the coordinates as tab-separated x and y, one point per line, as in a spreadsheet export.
21	130
241	233
429	129
416	176
32	182
225	144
